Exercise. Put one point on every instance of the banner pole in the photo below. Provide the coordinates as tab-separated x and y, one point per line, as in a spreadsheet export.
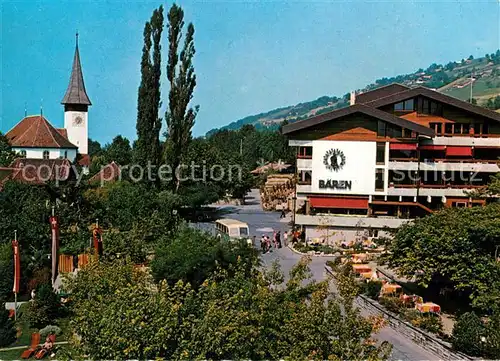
15	293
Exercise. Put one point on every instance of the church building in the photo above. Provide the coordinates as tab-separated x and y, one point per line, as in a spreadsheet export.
34	137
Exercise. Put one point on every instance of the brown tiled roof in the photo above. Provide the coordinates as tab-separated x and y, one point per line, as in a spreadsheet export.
435	95
39	171
63	132
108	173
84	160
380	93
36	132
357	108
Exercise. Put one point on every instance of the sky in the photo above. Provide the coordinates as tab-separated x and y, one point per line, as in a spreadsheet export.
251	56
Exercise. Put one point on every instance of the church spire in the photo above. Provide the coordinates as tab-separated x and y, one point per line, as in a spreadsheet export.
76	94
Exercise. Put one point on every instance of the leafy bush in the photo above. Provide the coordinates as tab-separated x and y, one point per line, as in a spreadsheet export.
125	244
44	309
429	322
304	248
47	330
467	333
191	256
371	289
7	329
492	346
393	304
40	277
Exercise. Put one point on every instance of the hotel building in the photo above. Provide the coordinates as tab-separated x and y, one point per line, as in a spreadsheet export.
396	153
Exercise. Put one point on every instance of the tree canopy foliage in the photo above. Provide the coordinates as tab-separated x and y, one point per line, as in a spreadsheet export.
147	148
455	248
230	316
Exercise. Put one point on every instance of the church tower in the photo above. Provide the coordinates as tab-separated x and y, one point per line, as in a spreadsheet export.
76	104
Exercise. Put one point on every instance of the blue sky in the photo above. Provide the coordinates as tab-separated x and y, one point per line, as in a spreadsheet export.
251	56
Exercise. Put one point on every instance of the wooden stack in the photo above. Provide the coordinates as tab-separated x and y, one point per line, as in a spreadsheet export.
275	192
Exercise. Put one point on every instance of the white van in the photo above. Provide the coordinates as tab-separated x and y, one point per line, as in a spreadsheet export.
232	229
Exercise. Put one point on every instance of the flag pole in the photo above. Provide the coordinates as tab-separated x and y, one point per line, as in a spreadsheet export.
15	293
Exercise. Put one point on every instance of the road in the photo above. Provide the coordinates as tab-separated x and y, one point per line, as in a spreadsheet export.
260	222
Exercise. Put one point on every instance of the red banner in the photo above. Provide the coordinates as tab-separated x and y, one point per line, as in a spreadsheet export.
97	236
17	266
54	226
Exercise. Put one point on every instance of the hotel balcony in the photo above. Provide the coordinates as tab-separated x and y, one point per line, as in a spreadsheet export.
427	190
304	164
471	165
491	141
303	188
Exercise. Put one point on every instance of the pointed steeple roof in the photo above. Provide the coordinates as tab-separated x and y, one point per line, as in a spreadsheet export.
76	94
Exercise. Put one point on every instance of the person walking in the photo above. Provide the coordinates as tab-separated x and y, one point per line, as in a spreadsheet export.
278	239
285	238
263	244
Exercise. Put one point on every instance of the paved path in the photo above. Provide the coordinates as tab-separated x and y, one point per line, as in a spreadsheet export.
257	219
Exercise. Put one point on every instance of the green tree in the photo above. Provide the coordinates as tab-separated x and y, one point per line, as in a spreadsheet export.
231	316
453	248
180	73
148	126
23	208
94	148
119	151
7	329
6	270
190	256
467	334
6	154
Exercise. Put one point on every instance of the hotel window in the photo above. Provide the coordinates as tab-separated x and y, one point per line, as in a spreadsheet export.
379	179
457	129
394	131
478	128
22	153
380	153
438	127
305	152
465	128
448	128
426	106
381	128
407	105
45	154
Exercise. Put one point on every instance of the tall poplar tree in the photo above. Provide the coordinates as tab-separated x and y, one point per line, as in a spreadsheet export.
148	123
180	73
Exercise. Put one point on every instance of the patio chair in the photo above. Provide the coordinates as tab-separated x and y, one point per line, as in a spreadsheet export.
35	340
45	350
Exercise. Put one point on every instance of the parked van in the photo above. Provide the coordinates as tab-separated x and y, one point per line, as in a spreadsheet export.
232	229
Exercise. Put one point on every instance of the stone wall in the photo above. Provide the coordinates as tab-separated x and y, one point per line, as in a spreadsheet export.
425	339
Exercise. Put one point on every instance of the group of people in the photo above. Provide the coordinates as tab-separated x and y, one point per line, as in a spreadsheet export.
266	243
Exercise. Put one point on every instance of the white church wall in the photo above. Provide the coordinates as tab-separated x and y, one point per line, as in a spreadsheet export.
54	153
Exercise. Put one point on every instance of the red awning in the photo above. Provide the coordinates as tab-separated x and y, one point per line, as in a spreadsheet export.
330	202
432	147
459	151
403	146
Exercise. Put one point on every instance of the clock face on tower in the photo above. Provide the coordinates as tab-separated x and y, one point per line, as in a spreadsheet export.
77	120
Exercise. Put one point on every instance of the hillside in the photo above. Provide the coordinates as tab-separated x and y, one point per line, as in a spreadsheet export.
452	79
